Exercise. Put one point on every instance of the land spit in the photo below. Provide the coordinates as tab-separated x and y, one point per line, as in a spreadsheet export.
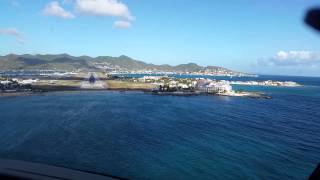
46	85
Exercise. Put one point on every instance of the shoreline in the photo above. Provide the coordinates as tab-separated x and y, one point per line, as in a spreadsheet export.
257	95
43	86
15	94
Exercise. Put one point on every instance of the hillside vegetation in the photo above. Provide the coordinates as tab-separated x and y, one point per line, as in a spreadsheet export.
67	62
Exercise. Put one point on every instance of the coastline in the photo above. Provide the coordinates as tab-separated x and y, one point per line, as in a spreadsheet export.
14	94
149	91
121	85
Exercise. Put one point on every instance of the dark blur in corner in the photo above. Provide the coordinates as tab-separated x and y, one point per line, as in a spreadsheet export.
312	18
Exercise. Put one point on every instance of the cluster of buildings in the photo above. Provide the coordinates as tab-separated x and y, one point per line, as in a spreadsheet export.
188	84
267	83
214	86
207	85
57	73
213	71
108	67
15	85
170	82
198	73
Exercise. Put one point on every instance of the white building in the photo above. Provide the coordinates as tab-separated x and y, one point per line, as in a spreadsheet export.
5	82
183	86
220	86
29	81
173	84
150	78
217	87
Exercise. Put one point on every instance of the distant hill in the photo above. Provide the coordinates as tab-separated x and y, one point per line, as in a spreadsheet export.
68	62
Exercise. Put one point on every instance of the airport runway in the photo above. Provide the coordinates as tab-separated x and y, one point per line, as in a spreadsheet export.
98	84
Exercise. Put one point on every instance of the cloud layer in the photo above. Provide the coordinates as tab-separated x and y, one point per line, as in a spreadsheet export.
103	8
292	58
12	32
54	9
113	8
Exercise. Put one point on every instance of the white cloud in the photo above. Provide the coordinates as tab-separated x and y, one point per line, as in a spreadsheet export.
54	9
113	8
292	58
122	24
12	32
103	8
282	55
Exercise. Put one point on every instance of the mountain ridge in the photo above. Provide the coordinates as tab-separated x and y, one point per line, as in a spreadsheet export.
69	62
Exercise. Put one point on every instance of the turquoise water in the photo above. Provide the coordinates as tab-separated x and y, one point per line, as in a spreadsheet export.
143	136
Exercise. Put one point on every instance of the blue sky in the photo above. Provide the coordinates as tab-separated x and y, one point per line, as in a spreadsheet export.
267	37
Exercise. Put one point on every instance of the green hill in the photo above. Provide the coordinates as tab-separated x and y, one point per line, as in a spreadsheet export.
68	62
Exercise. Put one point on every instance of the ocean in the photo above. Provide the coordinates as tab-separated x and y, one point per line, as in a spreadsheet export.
143	136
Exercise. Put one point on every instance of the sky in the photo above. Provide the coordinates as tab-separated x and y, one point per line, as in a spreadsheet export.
264	37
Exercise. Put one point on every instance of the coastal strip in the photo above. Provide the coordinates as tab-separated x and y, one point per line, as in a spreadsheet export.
158	85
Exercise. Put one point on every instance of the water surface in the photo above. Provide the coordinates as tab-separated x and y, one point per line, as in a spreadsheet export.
143	136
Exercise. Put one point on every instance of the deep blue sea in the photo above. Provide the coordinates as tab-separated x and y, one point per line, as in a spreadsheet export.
144	136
